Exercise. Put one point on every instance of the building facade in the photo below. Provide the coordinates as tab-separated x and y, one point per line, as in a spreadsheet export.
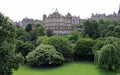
60	24
27	21
114	16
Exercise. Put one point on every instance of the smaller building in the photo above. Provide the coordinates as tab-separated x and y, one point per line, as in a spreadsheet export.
27	21
114	16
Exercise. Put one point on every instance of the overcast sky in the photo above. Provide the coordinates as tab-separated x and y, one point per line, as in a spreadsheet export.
19	9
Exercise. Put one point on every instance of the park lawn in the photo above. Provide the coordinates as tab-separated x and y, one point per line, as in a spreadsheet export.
73	68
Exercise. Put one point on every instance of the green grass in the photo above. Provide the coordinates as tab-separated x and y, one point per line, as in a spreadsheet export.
75	68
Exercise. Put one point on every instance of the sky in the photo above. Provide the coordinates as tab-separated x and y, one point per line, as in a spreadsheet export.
18	9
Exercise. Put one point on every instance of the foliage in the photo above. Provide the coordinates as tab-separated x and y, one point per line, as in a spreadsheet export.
74	36
29	27
22	34
49	32
9	60
108	28
44	55
38	30
98	44
109	57
24	48
40	39
91	28
83	49
61	44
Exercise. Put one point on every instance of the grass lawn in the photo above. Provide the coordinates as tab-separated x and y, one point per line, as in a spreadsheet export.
74	68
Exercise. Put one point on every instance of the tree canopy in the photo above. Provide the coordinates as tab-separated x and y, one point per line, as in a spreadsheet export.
9	60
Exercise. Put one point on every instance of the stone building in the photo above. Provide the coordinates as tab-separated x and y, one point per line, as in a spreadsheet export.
114	16
27	21
60	24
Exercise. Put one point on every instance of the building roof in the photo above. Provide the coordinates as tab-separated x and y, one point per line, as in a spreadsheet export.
119	10
56	11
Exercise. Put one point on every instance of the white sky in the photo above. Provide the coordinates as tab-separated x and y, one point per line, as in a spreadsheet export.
19	9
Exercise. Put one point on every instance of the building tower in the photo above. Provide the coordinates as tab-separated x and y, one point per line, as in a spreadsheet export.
119	10
44	16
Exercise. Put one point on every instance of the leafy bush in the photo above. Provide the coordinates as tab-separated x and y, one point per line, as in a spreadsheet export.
22	34
83	49
40	39
62	45
44	55
24	48
98	44
109	57
74	36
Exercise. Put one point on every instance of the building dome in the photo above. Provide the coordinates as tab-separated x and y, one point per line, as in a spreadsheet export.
56	11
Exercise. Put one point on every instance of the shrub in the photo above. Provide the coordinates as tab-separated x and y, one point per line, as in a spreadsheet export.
83	49
39	40
44	55
109	57
74	36
98	44
62	45
24	48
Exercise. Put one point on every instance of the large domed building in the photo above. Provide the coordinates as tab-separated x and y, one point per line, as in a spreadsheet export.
60	24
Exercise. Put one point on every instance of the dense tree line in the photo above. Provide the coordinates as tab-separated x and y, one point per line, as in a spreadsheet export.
102	28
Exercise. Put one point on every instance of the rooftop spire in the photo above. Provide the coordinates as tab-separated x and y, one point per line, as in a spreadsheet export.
119	9
56	11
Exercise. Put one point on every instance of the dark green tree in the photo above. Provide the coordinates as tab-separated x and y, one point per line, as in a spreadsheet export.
29	27
99	43
91	28
109	28
22	34
83	49
9	60
74	36
49	32
24	47
38	30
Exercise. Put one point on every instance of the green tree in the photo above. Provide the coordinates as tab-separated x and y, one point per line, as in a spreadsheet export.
49	32
109	28
40	39
29	27
99	43
62	45
24	47
9	60
91	28
22	34
74	36
109	57
44	55
83	49
39	30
